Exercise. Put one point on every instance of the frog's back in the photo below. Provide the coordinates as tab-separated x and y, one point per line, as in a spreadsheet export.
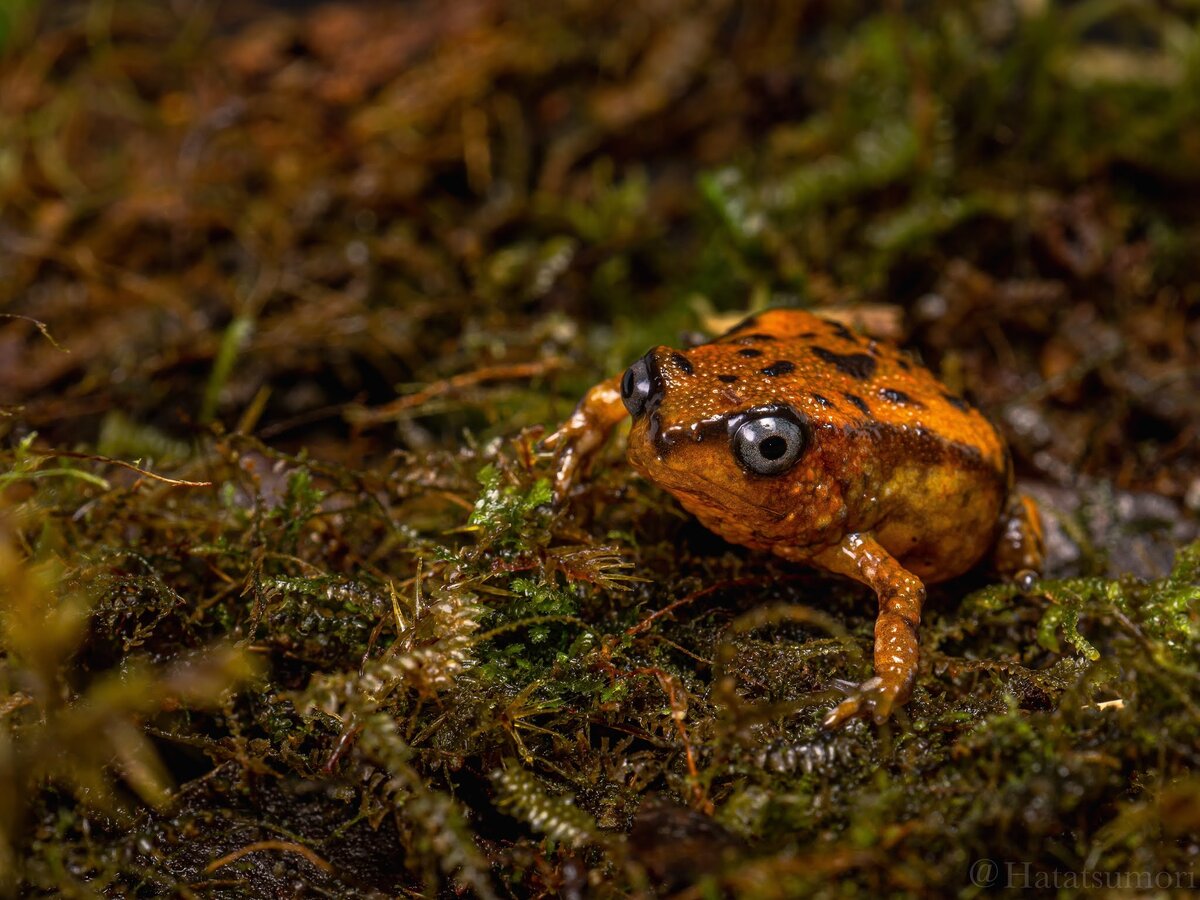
894	453
834	376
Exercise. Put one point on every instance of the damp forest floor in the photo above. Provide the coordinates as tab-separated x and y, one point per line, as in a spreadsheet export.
290	293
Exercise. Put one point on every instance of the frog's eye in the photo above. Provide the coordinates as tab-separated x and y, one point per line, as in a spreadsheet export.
638	385
769	444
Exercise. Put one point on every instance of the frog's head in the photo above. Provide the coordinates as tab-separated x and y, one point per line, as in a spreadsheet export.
721	435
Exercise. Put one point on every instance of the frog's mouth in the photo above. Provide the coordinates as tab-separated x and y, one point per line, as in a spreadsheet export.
722	494
697	463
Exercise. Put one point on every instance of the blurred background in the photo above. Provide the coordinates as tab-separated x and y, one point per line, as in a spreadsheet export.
306	210
332	265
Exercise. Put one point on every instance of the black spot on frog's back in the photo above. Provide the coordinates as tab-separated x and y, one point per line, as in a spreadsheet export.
894	396
857	401
727	379
842	331
779	367
957	402
683	363
860	366
749	352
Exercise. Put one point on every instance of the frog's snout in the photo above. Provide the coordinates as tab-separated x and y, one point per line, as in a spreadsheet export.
642	387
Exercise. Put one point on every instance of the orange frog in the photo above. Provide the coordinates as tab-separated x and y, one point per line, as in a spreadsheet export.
791	433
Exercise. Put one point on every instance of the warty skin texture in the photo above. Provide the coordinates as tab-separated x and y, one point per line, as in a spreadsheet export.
888	478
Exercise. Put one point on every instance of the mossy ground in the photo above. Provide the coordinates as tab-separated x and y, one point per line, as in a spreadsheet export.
288	297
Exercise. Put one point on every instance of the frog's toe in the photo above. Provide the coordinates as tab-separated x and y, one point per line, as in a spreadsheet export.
874	697
566	463
565	472
845	685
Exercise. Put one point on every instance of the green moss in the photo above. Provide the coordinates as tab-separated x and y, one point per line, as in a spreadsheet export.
254	641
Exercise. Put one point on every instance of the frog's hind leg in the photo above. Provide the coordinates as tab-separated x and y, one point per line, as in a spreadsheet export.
897	645
1020	547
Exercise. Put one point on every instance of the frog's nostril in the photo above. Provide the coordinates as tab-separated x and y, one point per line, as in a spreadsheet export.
640	385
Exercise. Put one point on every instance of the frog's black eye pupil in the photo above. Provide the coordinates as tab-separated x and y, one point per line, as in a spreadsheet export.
773	448
641	385
628	384
769	441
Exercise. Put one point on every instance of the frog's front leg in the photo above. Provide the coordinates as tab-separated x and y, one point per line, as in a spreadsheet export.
901	596
578	439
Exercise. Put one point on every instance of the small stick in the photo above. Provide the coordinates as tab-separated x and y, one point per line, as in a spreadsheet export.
48	454
401	405
286	846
